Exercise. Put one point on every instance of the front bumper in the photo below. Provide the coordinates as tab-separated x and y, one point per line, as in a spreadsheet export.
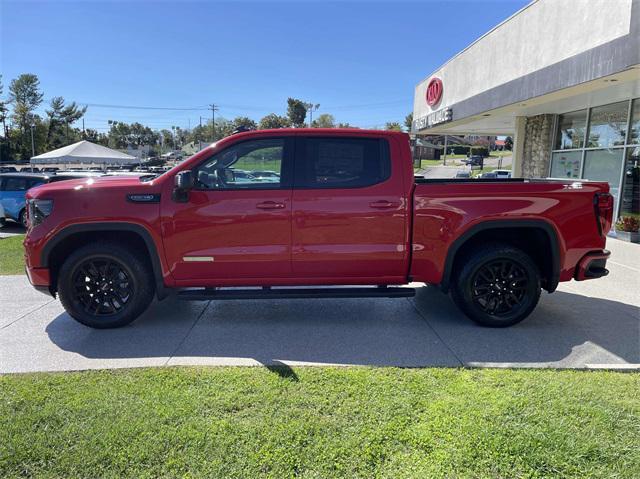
40	279
592	265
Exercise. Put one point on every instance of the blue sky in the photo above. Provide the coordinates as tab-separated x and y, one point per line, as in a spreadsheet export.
359	60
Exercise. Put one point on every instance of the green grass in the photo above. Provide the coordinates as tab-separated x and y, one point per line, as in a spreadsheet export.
12	255
320	423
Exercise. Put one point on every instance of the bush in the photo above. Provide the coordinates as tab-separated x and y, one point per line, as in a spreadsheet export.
628	223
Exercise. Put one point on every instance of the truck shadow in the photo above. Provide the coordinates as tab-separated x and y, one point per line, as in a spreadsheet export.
566	330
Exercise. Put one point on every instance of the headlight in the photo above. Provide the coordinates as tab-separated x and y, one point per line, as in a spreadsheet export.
39	210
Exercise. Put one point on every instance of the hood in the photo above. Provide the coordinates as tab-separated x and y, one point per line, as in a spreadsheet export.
130	183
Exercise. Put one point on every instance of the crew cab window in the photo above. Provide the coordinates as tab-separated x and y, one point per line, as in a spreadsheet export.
343	163
255	164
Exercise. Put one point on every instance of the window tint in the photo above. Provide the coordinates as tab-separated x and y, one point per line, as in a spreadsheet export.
251	164
343	163
16	184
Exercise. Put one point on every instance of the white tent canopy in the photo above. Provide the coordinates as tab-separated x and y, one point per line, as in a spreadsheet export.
85	152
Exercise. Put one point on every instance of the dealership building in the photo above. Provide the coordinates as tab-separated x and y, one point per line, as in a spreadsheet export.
563	79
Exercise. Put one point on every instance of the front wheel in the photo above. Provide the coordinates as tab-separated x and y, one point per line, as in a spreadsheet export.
497	285
104	285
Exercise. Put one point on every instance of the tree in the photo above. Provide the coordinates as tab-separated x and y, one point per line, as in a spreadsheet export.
508	143
273	121
94	137
393	126
25	96
408	122
324	121
296	111
60	117
244	123
345	125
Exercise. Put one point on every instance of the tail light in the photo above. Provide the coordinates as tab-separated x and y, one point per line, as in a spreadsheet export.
603	207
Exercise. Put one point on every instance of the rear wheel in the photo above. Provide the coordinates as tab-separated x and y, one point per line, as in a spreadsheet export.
104	285
22	218
497	285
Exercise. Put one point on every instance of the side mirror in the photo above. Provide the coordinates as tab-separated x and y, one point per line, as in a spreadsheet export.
183	182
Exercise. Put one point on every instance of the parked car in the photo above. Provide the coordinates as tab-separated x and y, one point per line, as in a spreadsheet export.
463	174
267	176
13	187
29	169
49	169
346	211
7	169
502	173
474	160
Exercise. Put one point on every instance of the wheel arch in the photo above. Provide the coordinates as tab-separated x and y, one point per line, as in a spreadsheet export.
506	231
74	235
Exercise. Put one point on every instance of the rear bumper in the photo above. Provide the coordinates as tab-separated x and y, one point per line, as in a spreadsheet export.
40	279
593	265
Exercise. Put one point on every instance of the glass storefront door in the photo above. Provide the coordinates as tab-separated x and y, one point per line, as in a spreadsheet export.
605	165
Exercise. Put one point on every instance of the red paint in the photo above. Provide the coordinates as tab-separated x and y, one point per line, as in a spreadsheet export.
434	91
388	233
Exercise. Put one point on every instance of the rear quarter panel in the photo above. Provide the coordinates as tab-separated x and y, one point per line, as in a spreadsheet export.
445	211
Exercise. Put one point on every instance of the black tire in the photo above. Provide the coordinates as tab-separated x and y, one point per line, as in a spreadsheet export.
496	285
104	285
22	218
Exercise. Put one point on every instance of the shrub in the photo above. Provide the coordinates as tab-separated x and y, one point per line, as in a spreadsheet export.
628	223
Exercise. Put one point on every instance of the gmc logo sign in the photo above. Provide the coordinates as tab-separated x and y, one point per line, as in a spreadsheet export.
434	91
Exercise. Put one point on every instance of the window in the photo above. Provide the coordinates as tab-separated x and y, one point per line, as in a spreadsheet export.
343	163
608	125
566	164
631	184
255	164
16	184
604	165
571	128
634	131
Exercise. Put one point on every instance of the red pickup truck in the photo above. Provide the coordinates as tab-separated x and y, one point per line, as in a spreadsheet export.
287	213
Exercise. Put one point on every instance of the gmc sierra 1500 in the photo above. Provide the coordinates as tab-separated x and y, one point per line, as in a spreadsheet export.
324	207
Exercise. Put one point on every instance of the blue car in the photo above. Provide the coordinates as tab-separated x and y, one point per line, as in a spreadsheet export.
14	186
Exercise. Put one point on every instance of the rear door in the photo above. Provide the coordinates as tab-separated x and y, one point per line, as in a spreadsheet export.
349	211
12	193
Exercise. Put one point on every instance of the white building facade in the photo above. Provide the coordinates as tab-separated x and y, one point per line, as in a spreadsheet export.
563	79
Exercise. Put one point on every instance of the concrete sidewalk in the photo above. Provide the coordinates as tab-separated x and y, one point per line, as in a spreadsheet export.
583	325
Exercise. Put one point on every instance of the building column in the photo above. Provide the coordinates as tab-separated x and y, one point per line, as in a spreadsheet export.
538	135
517	154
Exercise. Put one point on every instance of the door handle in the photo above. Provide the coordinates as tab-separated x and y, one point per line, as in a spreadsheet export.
383	204
270	205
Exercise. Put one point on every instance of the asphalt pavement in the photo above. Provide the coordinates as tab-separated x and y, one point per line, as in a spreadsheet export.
592	324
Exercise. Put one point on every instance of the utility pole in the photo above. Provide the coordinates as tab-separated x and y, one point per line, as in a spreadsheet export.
214	108
445	151
83	135
33	148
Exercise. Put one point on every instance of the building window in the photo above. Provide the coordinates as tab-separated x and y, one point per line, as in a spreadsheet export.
571	127
634	131
608	152
566	164
604	165
608	125
630	204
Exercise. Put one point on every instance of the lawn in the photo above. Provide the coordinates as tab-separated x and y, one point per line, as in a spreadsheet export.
12	255
320	423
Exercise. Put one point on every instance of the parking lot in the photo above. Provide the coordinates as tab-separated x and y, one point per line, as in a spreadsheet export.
583	325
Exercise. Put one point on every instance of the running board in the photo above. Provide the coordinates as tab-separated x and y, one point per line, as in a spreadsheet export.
295	293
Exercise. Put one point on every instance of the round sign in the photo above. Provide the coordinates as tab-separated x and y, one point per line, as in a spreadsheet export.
434	91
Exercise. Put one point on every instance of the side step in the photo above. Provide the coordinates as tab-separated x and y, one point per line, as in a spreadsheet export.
295	293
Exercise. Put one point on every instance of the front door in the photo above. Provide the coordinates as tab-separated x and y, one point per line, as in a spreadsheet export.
349	211
236	224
